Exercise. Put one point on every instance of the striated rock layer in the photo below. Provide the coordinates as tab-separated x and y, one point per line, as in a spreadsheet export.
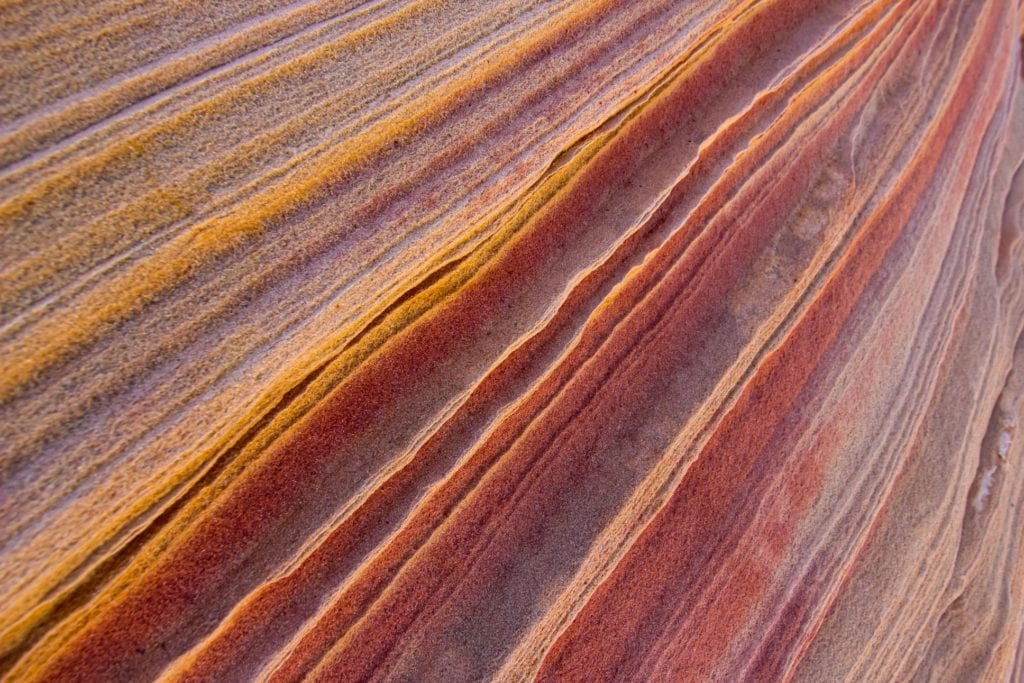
426	340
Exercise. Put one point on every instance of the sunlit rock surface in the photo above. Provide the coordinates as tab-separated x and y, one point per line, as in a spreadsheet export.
424	340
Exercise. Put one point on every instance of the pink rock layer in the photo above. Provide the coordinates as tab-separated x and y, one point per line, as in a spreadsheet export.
421	340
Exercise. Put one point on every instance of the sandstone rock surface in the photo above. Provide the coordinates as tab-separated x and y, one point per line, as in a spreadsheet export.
437	340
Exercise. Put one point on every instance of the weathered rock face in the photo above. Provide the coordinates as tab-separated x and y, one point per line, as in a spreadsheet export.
437	341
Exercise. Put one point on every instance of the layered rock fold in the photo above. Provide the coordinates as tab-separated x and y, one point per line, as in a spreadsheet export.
433	340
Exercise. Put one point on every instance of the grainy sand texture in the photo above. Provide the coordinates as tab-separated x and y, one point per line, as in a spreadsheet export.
558	340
